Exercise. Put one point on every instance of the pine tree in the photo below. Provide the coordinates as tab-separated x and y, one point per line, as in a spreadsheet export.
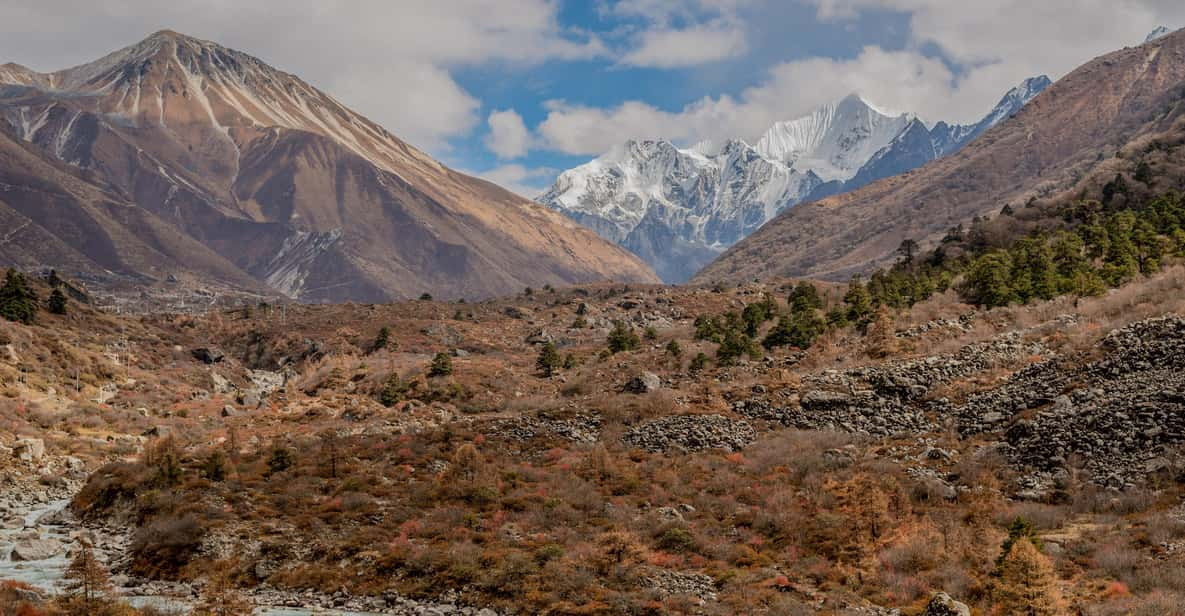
221	598
394	389
382	339
57	302
805	297
549	361
858	300
622	338
908	250
280	460
442	365
989	280
1027	584
17	300
88	587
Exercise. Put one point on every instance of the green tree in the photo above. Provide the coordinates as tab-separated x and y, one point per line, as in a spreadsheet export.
1143	173
622	338
1034	275
425	297
57	302
799	329
673	349
281	459
805	296
549	360
394	390
858	300
1019	528
17	300
908	250
735	345
442	365
989	280
382	339
214	466
698	363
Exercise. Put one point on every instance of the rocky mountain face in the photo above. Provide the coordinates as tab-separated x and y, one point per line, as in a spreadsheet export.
179	157
678	208
1063	134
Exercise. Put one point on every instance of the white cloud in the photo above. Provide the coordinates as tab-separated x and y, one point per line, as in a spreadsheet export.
509	137
679	48
683	34
993	43
527	182
390	60
900	80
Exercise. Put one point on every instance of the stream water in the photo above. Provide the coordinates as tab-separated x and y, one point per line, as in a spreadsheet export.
46	574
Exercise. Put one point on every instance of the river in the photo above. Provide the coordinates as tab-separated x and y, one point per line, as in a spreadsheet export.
46	574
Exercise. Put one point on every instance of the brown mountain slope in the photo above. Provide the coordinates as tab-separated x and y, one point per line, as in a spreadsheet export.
51	215
1060	135
298	192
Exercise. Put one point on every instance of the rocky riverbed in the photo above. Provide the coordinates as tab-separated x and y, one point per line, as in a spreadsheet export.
39	535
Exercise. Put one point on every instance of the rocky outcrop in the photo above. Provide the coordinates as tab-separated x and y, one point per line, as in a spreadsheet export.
941	604
884	399
691	433
1119	414
667	583
35	549
581	428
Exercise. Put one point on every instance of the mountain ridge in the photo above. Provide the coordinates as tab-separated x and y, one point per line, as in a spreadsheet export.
1074	125
304	196
680	214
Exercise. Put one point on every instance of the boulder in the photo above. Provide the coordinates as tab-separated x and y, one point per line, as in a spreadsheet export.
222	385
36	549
941	604
29	450
208	355
643	384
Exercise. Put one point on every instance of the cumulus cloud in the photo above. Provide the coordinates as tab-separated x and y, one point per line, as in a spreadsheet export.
391	61
683	34
678	48
508	137
959	59
901	80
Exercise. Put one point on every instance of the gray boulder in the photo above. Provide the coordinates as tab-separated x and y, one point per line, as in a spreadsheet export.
36	549
941	604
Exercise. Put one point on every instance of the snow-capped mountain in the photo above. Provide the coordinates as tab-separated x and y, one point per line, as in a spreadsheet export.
678	208
1157	33
835	140
918	144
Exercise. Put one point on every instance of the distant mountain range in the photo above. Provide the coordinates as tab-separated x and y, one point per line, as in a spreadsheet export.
176	160
679	208
1072	130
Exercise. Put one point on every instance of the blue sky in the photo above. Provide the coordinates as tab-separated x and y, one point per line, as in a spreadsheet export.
788	32
517	90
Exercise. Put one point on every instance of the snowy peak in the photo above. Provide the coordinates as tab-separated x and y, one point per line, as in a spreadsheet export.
677	208
1157	33
835	140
